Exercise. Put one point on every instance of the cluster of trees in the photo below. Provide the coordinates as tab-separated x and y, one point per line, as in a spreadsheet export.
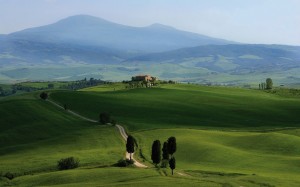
84	83
146	84
162	155
166	156
141	84
268	85
4	92
75	85
168	82
17	87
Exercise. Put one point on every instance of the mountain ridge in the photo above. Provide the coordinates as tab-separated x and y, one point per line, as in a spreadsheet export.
99	32
89	46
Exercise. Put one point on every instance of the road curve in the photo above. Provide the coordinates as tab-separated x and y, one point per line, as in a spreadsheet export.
124	136
121	130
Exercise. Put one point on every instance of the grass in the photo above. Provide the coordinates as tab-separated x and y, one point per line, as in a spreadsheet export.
264	154
108	177
56	85
106	88
220	134
34	135
187	106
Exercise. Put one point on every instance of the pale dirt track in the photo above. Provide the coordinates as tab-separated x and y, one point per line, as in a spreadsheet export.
74	113
124	135
121	130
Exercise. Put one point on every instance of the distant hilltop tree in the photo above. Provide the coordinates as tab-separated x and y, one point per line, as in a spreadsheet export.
44	95
262	86
269	84
50	85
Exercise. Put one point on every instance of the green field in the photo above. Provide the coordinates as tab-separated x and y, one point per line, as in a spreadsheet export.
56	85
188	106
225	136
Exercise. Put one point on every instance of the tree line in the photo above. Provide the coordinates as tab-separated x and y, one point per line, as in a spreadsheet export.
268	85
163	155
84	83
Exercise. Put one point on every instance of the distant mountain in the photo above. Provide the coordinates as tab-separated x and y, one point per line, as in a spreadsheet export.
41	52
85	46
228	57
93	31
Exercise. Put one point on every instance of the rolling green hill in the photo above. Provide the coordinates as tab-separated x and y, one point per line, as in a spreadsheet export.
225	136
271	155
35	135
188	106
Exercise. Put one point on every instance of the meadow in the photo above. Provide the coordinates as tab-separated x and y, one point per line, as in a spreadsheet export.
187	106
225	136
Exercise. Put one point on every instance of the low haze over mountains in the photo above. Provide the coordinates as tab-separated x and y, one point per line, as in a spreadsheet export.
92	47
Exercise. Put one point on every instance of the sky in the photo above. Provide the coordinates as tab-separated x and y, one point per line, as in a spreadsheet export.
246	21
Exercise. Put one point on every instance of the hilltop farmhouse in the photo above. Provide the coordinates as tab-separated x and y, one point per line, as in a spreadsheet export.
147	78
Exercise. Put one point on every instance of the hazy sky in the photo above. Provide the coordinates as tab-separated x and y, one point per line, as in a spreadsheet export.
249	21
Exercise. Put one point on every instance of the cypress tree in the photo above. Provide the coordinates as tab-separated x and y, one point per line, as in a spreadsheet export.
130	145
165	153
172	164
156	152
172	145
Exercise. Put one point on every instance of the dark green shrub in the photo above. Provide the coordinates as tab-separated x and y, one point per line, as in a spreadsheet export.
104	118
67	163
9	175
124	163
44	95
114	122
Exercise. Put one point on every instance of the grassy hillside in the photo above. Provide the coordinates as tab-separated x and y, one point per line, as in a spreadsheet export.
34	135
188	106
271	155
110	177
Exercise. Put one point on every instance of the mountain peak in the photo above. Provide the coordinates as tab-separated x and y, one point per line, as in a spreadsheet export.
94	31
160	26
83	19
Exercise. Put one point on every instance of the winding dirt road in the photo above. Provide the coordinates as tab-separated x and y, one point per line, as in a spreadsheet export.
73	113
121	130
124	135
